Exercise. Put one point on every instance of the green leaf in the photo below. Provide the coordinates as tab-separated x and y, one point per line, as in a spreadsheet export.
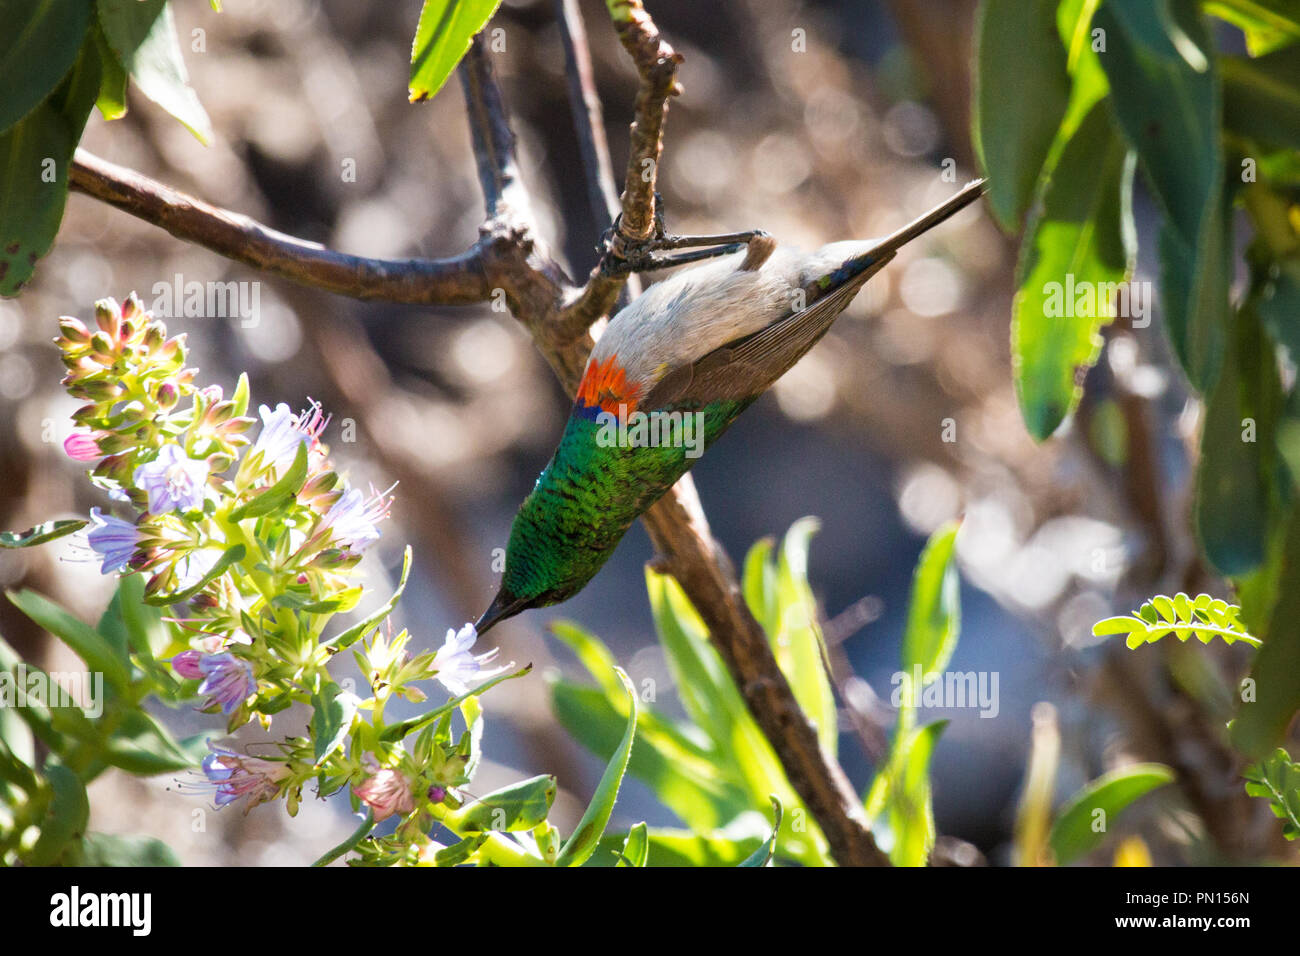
331	720
1264	715
759	585
375	618
399	731
1159	54
143	35
797	643
38	46
1261	98
1267	24
1277	780
591	827
1088	816
141	745
710	697
42	533
232	555
1015	121
672	847
702	790
35	155
934	614
1079	246
519	806
280	493
901	792
636	848
104	849
111	100
88	643
443	36
65	818
1205	617
1237	478
767	849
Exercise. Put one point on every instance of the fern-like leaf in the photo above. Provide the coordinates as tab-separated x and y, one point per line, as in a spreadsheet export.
1277	780
1203	616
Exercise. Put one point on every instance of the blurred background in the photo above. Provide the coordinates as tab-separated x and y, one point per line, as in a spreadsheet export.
816	121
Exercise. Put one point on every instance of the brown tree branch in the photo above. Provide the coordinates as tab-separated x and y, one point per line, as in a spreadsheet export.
509	257
459	280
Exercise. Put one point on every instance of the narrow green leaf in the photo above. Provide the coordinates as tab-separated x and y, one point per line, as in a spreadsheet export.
518	806
1079	247
280	493
934	614
1267	24
1090	814
443	36
111	100
378	616
88	644
763	855
797	643
42	533
703	791
230	556
636	849
591	827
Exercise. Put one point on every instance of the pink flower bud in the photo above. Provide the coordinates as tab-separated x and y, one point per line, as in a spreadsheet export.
186	663
73	330
385	792
166	396
81	446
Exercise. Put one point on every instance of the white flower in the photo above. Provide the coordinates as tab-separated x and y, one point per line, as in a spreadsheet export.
457	666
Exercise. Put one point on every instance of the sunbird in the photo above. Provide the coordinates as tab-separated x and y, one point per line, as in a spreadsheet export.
673	369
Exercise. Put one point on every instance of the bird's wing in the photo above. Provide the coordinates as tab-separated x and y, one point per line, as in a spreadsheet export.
746	366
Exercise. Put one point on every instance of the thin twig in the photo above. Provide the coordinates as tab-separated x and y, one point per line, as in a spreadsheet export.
588	117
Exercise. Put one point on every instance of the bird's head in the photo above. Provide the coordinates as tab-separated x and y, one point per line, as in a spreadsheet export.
538	573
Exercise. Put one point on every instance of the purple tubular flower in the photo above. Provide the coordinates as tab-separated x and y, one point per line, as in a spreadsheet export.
457	665
280	436
112	539
237	776
227	681
352	520
173	480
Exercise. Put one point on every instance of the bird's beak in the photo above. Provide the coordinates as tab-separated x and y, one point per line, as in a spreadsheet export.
504	605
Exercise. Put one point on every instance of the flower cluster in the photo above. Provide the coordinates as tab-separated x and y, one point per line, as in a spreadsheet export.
253	544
